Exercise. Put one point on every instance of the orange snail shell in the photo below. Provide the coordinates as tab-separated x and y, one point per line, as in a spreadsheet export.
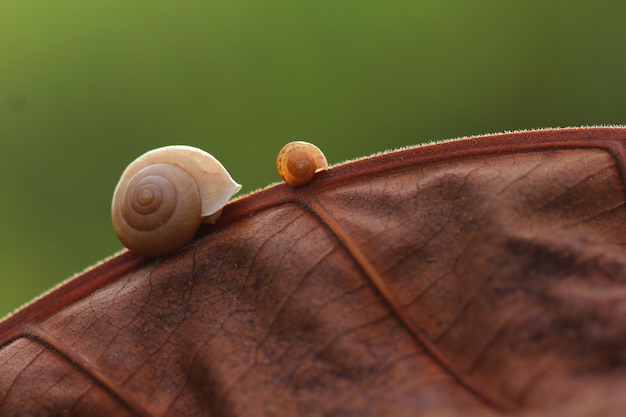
165	194
297	162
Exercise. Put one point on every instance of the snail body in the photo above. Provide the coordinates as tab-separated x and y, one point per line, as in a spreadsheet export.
164	195
297	162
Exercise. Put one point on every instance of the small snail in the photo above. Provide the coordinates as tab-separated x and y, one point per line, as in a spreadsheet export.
297	162
164	195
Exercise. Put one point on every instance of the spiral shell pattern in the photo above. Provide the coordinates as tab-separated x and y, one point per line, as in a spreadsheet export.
297	162
163	197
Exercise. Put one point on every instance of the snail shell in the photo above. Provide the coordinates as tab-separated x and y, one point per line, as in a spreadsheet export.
297	162
164	195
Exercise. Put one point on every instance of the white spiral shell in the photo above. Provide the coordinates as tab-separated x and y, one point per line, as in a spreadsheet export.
164	195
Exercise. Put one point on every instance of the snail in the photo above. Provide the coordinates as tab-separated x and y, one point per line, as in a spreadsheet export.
164	195
297	162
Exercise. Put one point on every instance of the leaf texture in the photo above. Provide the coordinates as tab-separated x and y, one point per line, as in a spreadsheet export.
477	277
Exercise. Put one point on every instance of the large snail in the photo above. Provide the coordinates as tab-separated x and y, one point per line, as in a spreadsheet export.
297	162
164	195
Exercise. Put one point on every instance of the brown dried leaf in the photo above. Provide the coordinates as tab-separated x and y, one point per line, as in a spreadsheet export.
476	277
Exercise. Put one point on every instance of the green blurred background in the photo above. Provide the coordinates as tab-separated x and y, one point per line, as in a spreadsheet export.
86	86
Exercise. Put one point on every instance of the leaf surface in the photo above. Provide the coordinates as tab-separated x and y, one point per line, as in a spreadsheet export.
483	276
